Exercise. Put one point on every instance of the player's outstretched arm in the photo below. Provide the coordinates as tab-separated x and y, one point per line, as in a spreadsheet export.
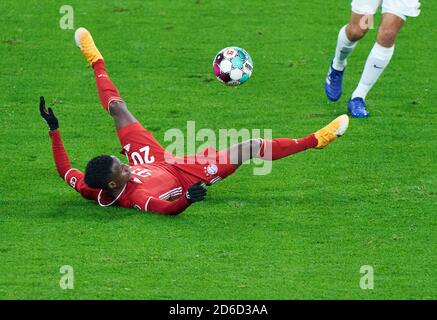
59	154
73	177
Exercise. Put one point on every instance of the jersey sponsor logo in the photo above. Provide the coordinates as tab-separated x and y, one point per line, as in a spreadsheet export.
73	181
137	180
143	156
144	173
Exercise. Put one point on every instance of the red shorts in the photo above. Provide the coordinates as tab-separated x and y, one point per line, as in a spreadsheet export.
141	147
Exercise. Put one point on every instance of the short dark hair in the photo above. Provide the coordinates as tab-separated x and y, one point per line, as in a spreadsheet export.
98	172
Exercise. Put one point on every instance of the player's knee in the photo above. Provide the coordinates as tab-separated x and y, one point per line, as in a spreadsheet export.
250	145
117	107
387	37
255	143
356	32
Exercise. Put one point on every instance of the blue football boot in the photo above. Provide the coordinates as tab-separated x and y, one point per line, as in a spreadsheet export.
334	84
357	108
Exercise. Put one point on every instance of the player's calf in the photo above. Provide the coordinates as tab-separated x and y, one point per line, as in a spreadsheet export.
105	87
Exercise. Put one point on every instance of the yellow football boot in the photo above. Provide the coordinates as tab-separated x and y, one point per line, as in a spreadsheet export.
332	131
86	44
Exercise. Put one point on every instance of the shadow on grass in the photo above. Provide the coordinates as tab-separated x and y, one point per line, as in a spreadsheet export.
90	211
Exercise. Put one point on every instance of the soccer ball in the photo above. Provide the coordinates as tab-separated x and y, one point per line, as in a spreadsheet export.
232	66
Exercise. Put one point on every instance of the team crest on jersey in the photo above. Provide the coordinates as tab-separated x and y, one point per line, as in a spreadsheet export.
212	169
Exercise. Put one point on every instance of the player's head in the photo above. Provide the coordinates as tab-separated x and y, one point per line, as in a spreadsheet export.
106	172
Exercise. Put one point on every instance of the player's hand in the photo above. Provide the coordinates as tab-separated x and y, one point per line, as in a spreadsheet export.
48	115
196	192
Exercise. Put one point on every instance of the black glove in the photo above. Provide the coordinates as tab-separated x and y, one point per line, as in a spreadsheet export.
48	116
196	192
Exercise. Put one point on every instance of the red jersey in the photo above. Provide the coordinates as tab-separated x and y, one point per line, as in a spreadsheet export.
148	181
155	185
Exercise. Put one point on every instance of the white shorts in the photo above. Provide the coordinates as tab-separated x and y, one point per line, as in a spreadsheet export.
400	8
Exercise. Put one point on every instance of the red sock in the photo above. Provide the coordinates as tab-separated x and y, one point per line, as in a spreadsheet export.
282	147
106	89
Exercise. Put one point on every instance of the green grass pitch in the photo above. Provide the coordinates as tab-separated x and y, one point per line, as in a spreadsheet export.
301	232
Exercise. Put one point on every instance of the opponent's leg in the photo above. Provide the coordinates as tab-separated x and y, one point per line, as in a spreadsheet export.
348	37
108	93
376	63
347	40
282	147
389	29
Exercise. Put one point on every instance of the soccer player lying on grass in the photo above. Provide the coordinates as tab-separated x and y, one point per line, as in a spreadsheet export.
153	180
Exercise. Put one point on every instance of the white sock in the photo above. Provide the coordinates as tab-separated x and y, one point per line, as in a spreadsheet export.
343	50
378	60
